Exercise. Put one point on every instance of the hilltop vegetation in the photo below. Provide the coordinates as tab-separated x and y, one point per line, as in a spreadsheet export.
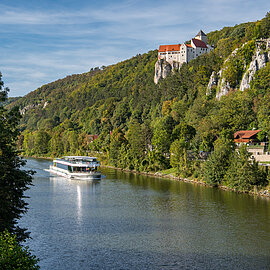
148	127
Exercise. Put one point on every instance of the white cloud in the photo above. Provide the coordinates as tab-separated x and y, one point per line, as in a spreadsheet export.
39	46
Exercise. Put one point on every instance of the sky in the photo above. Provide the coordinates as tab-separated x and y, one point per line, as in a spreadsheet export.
45	40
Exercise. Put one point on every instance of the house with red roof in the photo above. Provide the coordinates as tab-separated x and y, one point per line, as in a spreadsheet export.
246	136
184	53
259	150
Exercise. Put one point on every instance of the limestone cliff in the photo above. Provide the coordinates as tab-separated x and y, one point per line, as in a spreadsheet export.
32	106
259	60
223	86
163	68
213	82
217	81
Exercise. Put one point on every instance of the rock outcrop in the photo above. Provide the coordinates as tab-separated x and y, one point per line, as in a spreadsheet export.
224	88
32	106
213	82
163	68
259	60
220	83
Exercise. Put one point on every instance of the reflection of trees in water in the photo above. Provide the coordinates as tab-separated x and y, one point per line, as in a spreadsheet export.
173	194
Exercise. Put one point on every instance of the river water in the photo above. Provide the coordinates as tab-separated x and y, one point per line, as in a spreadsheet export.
128	221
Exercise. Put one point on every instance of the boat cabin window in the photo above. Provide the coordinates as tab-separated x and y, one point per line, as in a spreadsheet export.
62	166
84	169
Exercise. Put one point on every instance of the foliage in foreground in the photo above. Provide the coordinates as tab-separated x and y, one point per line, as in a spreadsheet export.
13	181
13	256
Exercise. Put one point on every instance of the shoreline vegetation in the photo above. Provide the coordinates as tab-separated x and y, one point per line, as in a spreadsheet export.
171	176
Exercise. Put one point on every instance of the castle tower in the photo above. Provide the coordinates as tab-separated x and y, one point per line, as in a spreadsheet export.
201	36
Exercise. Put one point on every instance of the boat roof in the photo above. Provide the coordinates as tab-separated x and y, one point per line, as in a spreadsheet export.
79	157
77	161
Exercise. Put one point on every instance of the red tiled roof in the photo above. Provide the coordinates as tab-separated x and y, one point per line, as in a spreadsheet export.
169	48
199	43
189	45
245	134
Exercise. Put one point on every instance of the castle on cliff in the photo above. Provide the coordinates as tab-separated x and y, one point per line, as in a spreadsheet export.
184	53
177	54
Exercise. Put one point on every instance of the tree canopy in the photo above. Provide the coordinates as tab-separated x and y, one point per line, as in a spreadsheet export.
13	180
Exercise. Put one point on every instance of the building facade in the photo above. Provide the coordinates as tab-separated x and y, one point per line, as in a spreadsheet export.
184	53
259	150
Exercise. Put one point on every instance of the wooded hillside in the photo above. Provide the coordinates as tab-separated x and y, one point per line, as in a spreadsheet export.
140	124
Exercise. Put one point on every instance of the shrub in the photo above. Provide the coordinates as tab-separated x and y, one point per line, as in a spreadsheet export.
13	256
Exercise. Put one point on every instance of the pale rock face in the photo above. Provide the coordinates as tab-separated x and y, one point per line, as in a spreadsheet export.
45	104
26	108
223	85
212	82
259	61
224	88
163	68
175	65
31	106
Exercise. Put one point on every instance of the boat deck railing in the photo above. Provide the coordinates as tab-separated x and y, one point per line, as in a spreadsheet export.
89	162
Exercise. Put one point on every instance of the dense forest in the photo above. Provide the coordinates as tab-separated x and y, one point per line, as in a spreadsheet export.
166	127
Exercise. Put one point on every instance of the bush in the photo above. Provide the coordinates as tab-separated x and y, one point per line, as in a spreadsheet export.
13	256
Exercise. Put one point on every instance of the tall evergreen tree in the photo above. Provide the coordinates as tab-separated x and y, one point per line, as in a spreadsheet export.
13	181
243	174
218	162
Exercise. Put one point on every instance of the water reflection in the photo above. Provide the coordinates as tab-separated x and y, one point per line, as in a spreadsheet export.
79	204
77	191
128	221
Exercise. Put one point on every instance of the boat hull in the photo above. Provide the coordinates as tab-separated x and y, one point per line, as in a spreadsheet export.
82	176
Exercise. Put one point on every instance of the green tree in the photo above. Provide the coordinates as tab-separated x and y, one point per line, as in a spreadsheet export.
42	139
243	174
56	144
225	47
136	143
265	26
13	181
162	135
218	162
14	256
179	157
28	143
261	82
116	152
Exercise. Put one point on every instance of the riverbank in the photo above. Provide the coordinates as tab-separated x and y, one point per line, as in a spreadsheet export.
261	193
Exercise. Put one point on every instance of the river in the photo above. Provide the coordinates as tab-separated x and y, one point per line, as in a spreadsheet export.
128	221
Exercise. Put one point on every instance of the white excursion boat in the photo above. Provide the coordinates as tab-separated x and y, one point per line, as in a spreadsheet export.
76	167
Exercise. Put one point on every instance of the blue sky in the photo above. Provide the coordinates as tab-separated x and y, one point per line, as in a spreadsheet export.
45	40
